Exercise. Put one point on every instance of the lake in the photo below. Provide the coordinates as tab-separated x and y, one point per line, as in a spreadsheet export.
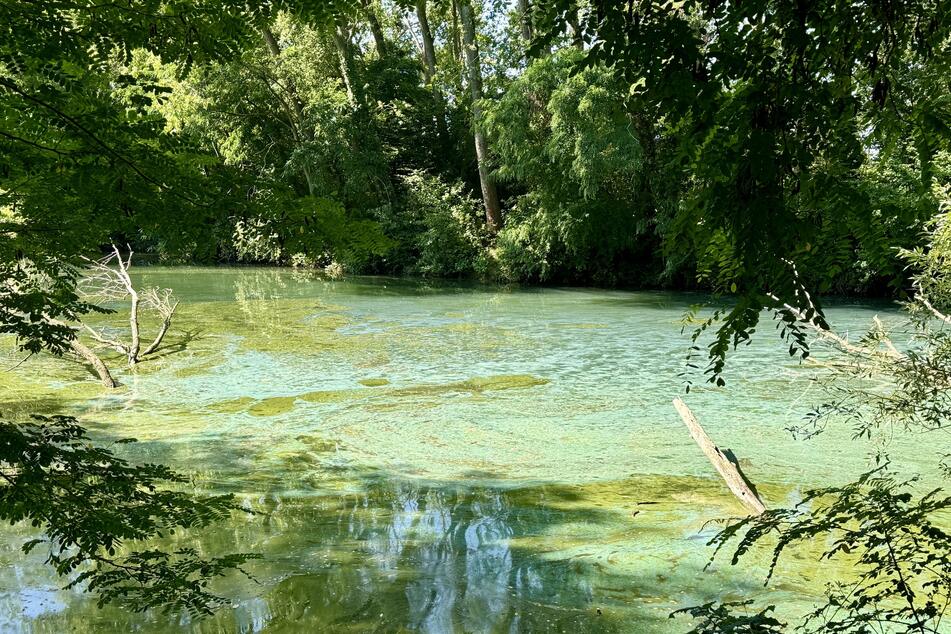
440	457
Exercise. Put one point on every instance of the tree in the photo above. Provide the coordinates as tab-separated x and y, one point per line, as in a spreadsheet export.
316	167
90	503
69	140
295	114
369	12
891	532
525	19
567	145
429	50
490	197
84	157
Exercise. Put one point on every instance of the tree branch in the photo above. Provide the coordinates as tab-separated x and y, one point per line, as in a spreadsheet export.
105	146
934	311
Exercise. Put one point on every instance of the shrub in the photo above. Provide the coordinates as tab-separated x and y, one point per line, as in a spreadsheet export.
446	232
310	232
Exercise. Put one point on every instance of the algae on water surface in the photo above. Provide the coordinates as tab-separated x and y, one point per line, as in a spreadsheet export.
438	458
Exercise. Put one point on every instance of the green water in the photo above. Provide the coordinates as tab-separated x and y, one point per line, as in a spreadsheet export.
444	458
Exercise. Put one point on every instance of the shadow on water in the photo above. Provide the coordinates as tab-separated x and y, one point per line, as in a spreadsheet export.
178	342
355	549
24	409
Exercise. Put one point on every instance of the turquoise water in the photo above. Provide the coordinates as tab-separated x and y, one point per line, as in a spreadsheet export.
446	458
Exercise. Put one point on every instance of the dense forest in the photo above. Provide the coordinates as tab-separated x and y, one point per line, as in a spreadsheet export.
768	153
455	140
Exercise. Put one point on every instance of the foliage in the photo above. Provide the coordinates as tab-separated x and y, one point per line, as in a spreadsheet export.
773	151
321	226
900	205
567	142
880	386
439	228
525	246
34	301
314	229
910	391
887	529
86	155
777	106
83	154
288	117
932	260
900	555
254	240
91	503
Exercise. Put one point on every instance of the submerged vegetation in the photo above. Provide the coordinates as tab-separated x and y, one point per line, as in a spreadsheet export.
767	153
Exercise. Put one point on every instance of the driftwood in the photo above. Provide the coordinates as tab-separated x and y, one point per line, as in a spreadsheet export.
727	469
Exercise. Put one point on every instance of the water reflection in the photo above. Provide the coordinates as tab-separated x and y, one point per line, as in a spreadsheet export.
429	558
395	554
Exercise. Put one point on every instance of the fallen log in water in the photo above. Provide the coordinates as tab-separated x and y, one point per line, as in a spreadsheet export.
724	466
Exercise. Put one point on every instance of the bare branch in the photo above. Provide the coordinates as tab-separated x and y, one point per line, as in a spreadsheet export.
112	343
934	311
108	280
159	300
835	339
883	336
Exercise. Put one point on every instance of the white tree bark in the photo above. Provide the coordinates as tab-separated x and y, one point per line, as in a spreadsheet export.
345	59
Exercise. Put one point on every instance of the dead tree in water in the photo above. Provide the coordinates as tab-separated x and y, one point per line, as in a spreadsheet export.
108	280
727	469
97	364
87	354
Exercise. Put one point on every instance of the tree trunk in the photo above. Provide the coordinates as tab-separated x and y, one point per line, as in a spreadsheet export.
271	42
123	274
375	28
429	71
526	21
345	58
88	355
429	51
97	365
135	344
724	466
456	43
296	115
575	25
490	197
